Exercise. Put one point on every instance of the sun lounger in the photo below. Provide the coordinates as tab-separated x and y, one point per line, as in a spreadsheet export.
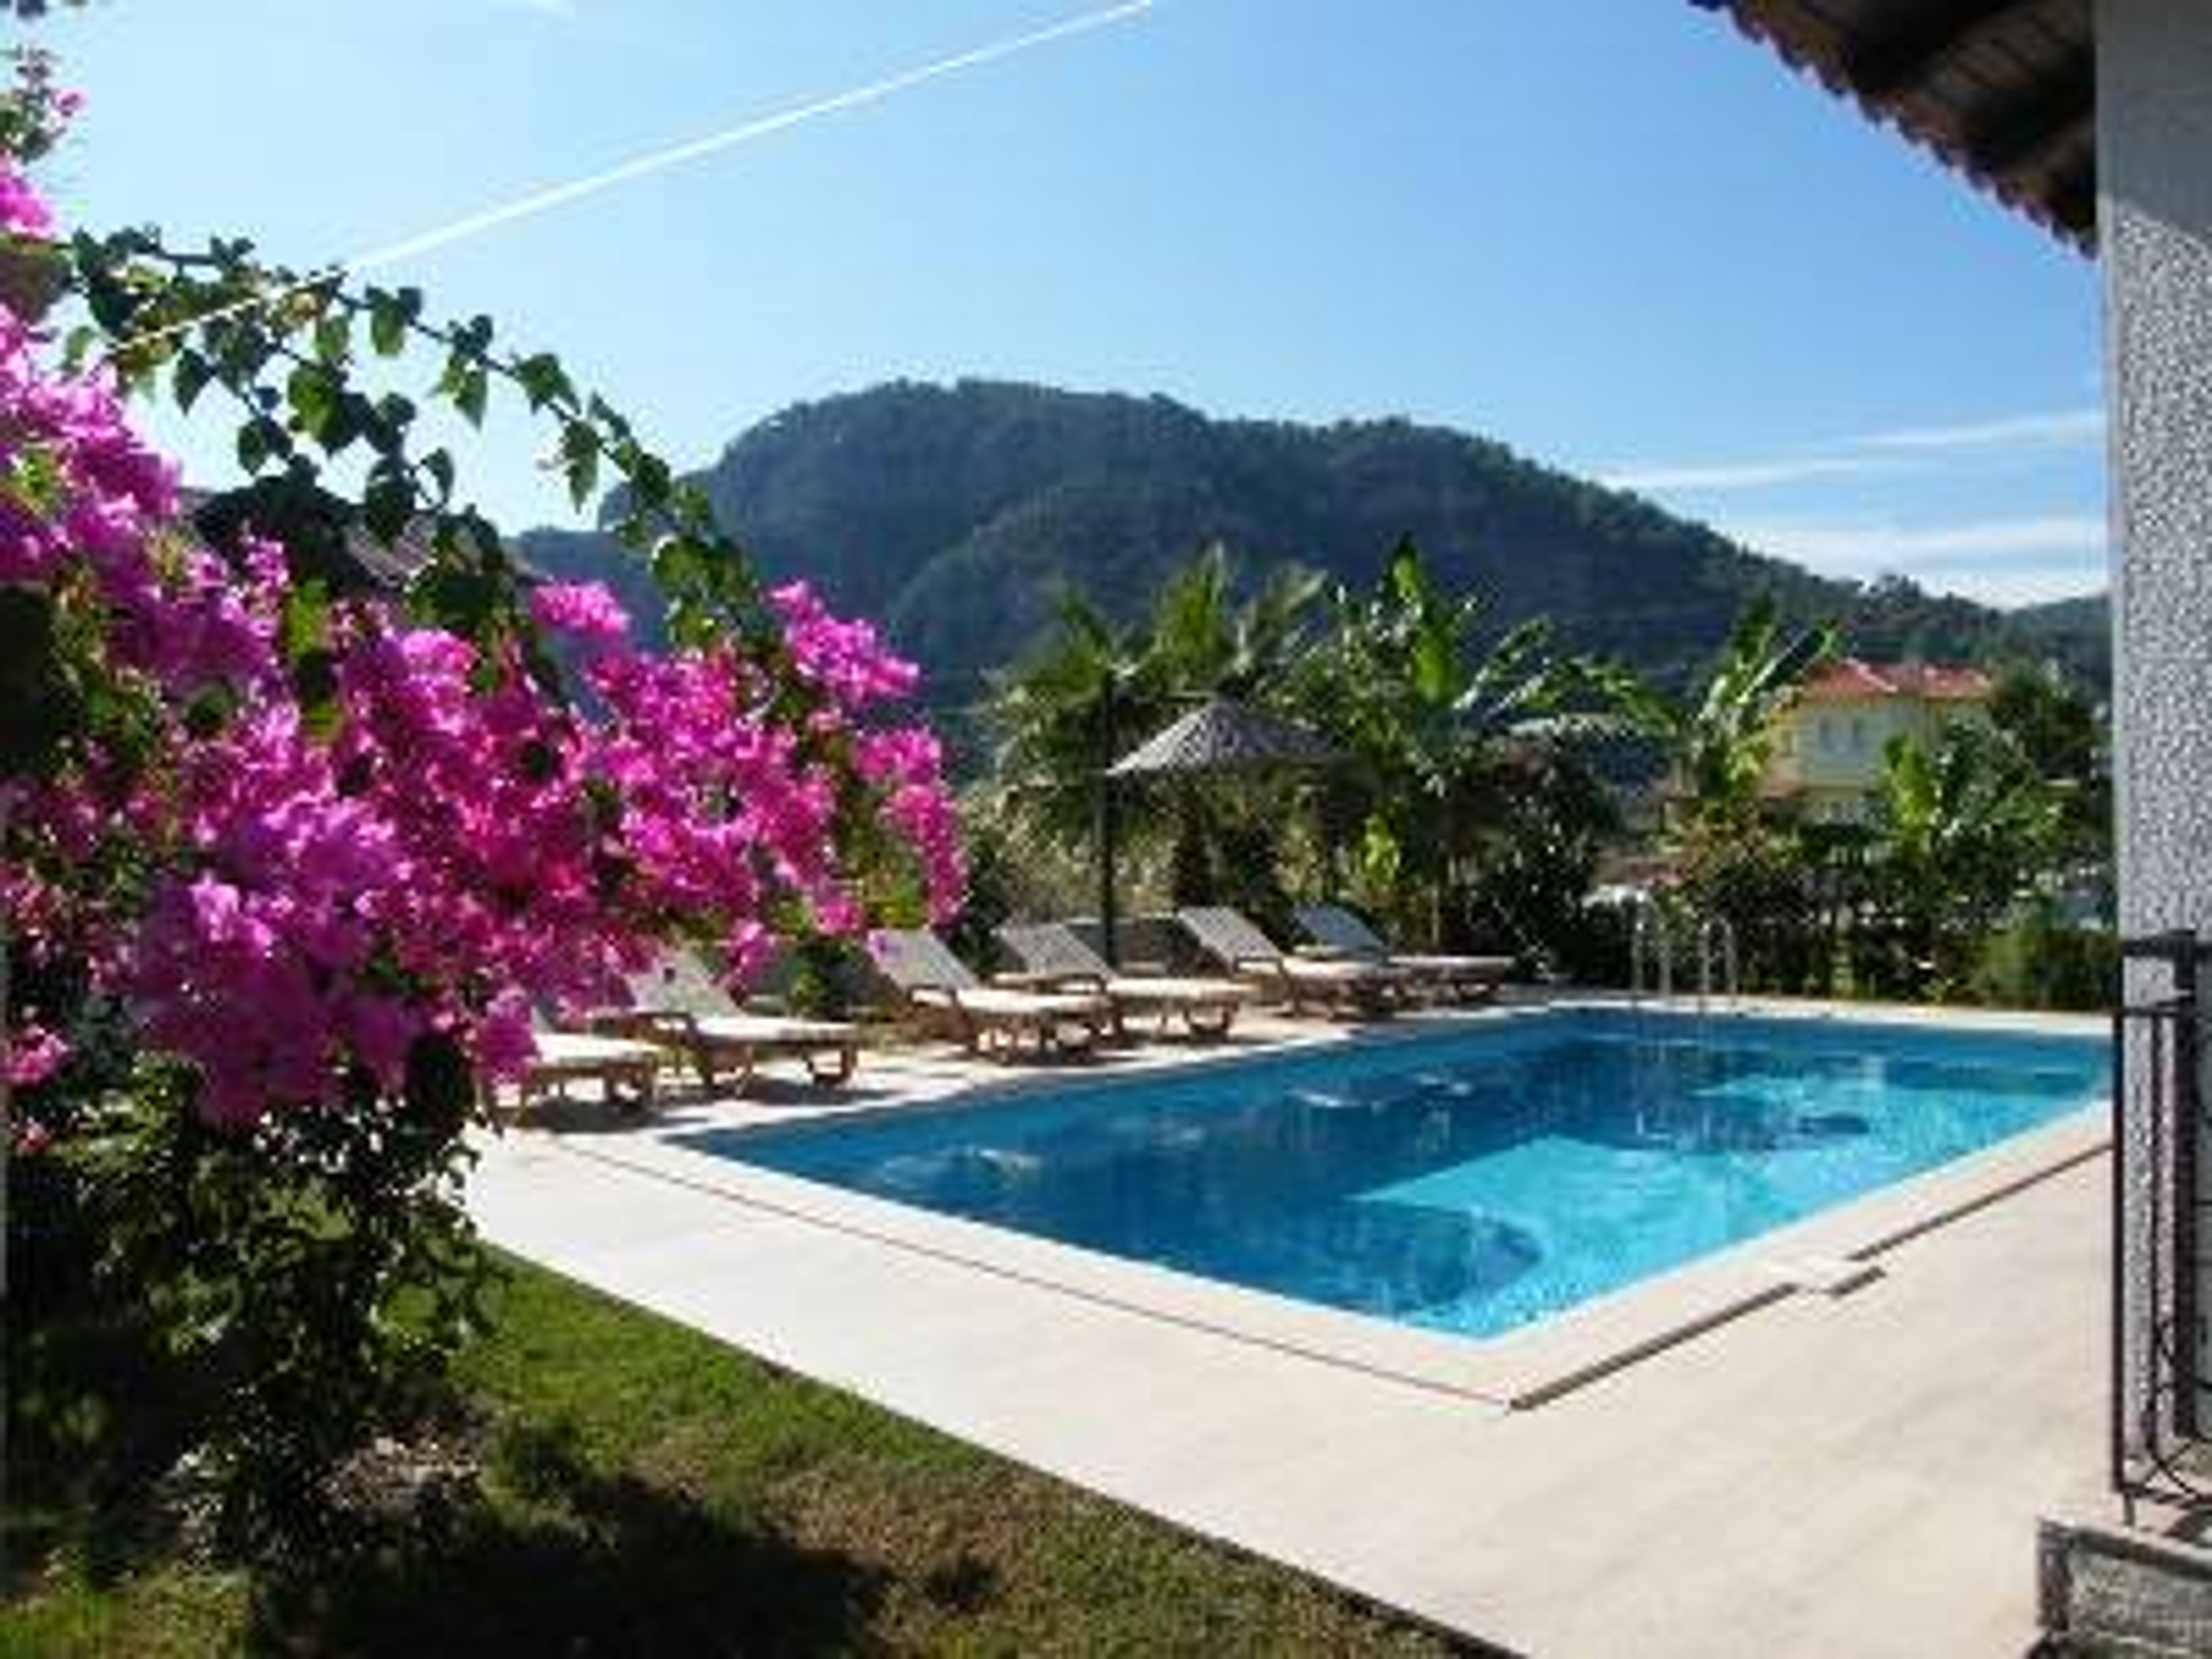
944	994
625	1071
1463	978
1332	985
1054	957
681	1009
724	1049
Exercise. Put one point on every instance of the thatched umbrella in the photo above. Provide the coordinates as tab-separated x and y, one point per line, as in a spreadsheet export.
1223	736
1219	735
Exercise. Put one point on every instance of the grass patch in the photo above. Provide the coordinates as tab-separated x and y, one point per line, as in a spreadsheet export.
645	1490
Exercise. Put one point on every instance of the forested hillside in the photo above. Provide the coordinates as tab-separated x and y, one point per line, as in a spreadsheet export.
959	515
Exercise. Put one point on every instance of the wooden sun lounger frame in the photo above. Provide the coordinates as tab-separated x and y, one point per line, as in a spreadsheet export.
627	1072
946	997
1055	957
1335	986
1463	979
830	1049
976	1014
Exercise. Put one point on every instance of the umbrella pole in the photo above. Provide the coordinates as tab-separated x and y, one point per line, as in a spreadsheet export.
1107	828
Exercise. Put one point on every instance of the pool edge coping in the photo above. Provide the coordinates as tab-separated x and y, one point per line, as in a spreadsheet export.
1518	1369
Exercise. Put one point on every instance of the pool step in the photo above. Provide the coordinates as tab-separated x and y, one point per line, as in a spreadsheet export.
1828	1275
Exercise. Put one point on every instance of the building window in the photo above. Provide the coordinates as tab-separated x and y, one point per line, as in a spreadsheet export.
1827	733
1858	735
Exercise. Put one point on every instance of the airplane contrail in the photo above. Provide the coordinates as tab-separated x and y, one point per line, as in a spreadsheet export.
659	160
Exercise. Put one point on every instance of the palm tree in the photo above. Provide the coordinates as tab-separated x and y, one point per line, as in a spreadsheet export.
1093	691
1202	641
1061	716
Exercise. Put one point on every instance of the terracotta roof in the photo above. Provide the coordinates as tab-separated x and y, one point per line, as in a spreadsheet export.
1846	677
2005	91
1851	679
1941	684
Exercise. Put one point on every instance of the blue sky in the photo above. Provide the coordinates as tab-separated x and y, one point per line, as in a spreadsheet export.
1607	232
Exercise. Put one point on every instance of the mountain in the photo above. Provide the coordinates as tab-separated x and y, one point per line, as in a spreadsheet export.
2077	634
959	515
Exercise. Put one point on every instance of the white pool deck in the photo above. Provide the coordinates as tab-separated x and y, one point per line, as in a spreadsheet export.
1728	1459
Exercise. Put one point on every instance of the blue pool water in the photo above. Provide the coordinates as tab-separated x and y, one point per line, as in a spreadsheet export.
1469	1181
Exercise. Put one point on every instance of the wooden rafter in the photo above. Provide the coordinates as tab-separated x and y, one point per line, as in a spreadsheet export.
2003	90
2071	199
2035	122
1887	67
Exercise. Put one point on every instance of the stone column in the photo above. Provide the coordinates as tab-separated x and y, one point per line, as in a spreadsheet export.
2155	164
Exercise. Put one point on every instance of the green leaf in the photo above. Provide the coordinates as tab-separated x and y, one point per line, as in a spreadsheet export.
114	305
544	381
470	392
394	415
580	460
315	683
471	536
607	418
312	392
440	465
691	624
466	601
1407	578
389	314
40	708
649	481
387	333
334	337
388	502
209	710
78	346
189	378
682	567
345	421
1433	662
305	625
260	438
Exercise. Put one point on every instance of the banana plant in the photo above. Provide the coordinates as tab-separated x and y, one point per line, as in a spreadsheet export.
1434	720
1719	738
1962	827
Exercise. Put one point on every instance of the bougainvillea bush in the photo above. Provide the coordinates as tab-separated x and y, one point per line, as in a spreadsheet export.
286	874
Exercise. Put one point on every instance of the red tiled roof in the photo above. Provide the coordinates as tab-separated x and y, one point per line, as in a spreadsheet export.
1851	678
1847	676
1941	684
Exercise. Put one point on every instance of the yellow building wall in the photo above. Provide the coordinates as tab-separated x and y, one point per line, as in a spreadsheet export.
1830	752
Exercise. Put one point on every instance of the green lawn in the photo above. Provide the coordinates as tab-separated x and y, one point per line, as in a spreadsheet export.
648	1491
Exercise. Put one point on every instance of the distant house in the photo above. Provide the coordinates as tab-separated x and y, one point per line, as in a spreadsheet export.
1828	743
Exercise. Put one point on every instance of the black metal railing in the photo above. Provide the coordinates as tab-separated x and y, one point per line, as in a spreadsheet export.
2161	1226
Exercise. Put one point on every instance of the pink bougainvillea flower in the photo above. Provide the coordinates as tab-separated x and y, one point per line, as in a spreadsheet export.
34	1055
454	844
504	1045
22	213
588	611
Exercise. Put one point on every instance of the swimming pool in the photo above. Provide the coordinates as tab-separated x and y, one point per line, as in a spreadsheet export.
1469	1182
